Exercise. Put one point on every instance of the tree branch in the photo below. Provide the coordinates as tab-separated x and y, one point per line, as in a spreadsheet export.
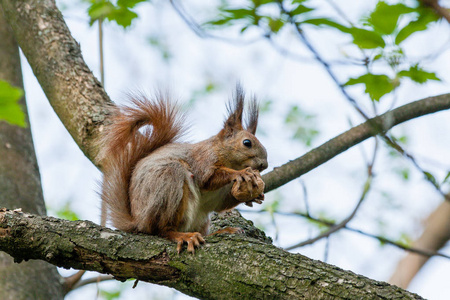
227	267
20	185
436	233
55	57
340	225
314	158
382	239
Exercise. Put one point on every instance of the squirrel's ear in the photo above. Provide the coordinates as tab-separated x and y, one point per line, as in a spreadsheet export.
252	116
235	109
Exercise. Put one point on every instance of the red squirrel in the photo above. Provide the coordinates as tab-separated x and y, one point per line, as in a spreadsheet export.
156	185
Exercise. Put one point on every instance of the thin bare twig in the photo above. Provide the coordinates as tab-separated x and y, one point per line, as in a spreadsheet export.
305	196
382	239
342	224
198	30
95	279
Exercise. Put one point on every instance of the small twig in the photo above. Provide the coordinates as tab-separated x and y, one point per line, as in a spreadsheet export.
340	225
378	237
344	223
71	282
198	30
326	250
400	245
324	63
305	196
100	45
95	279
339	11
399	149
441	11
304	59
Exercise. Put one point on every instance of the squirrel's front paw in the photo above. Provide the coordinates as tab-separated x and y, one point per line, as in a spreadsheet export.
248	187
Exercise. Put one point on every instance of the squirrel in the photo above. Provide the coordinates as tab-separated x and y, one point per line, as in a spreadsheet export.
154	184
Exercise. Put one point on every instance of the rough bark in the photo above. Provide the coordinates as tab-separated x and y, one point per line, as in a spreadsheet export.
227	267
55	57
20	186
435	235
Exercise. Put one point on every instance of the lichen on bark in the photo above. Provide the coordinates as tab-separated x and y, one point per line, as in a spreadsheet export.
226	267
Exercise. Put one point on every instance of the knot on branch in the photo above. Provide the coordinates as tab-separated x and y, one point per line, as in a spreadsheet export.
234	219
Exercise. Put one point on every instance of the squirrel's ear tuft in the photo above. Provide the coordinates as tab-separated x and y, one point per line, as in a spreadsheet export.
252	116
235	109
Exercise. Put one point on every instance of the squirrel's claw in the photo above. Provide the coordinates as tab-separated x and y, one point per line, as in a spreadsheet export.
193	240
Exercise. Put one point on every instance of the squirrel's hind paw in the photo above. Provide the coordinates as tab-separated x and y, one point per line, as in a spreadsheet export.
193	240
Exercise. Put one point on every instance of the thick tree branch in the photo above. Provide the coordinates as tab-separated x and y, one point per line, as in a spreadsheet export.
314	158
20	186
436	233
55	57
227	267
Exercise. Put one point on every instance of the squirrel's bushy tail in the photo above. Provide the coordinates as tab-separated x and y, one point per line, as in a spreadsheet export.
134	131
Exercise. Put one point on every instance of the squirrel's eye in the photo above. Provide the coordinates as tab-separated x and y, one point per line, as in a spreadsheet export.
247	143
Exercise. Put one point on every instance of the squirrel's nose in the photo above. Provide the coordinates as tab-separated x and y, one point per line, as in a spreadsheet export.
262	166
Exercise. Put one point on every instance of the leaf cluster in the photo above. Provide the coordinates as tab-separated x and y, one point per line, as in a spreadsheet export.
381	32
119	11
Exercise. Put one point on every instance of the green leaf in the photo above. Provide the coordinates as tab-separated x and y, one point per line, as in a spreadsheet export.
241	13
417	74
275	24
129	3
385	16
426	17
121	13
224	21
447	178
229	17
261	2
376	85
122	16
100	10
363	38
10	110
326	22
301	9
366	39
110	295
431	178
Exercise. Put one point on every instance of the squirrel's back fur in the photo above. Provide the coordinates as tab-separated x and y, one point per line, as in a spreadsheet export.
133	133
